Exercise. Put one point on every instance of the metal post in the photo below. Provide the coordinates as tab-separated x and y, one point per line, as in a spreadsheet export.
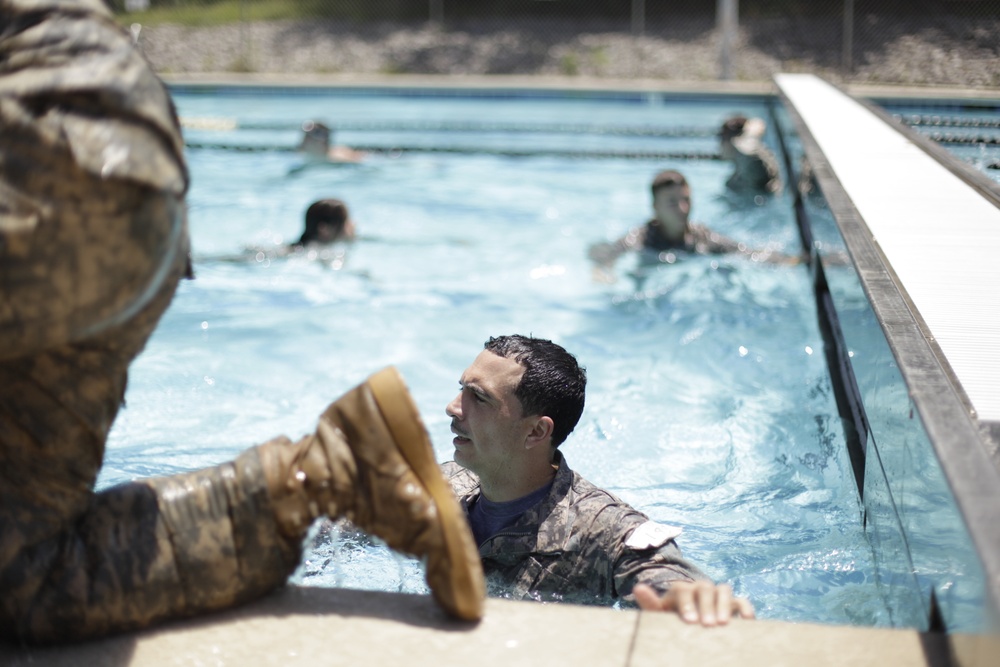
727	20
847	57
638	18
437	11
244	45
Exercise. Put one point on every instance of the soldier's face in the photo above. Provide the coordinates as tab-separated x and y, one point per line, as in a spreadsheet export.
487	418
672	206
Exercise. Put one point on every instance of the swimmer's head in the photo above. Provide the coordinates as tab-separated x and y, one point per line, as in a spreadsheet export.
733	127
668	178
327	220
316	138
738	134
671	203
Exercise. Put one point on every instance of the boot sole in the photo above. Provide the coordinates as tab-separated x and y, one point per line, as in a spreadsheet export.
404	422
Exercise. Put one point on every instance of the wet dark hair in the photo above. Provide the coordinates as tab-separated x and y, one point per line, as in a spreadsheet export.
553	385
667	178
325	211
317	128
733	127
315	132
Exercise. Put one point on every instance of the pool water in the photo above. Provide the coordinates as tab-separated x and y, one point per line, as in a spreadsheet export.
709	402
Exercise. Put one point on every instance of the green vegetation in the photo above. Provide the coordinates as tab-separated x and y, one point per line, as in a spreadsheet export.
599	56
220	12
242	64
569	64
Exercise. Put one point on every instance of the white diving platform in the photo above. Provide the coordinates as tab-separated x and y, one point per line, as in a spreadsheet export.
936	232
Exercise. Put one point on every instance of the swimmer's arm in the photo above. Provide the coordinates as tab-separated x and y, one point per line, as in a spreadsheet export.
604	255
607	253
345	154
775	257
723	244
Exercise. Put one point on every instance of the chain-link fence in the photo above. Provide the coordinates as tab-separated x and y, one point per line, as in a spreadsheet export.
926	42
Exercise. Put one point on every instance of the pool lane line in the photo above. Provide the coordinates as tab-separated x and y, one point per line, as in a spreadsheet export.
474	150
232	124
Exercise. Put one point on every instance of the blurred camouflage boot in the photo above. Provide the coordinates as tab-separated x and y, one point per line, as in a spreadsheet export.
371	461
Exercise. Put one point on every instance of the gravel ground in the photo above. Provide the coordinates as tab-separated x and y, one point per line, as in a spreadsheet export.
964	54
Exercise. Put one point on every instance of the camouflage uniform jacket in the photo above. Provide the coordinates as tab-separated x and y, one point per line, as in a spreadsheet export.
756	170
580	544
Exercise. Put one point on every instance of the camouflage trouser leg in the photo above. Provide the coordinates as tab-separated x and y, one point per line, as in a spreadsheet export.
77	564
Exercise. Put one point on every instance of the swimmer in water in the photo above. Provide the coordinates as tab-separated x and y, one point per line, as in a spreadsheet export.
755	167
327	221
317	144
329	227
671	231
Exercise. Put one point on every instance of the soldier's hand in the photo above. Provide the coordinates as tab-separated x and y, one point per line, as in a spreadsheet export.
695	602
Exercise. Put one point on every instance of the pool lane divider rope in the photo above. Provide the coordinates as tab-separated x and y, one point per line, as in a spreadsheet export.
925	122
232	124
918	120
394	151
949	138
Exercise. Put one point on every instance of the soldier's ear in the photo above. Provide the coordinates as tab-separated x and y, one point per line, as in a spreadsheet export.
541	432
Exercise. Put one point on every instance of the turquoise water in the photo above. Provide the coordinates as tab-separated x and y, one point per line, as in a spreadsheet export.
709	402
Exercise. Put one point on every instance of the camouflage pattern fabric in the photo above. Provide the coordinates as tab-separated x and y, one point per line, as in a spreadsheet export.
93	241
699	239
756	170
572	545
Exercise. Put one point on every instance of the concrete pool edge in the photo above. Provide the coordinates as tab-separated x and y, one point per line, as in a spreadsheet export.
564	83
390	82
339	627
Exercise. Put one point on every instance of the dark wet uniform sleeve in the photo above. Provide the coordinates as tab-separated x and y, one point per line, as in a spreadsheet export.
756	171
612	527
656	567
93	242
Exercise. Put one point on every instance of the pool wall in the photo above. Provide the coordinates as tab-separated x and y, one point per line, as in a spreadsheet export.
929	488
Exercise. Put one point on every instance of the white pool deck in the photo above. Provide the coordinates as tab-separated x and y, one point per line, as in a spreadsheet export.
938	235
939	242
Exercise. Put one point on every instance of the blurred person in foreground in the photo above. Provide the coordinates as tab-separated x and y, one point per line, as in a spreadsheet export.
93	242
544	532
